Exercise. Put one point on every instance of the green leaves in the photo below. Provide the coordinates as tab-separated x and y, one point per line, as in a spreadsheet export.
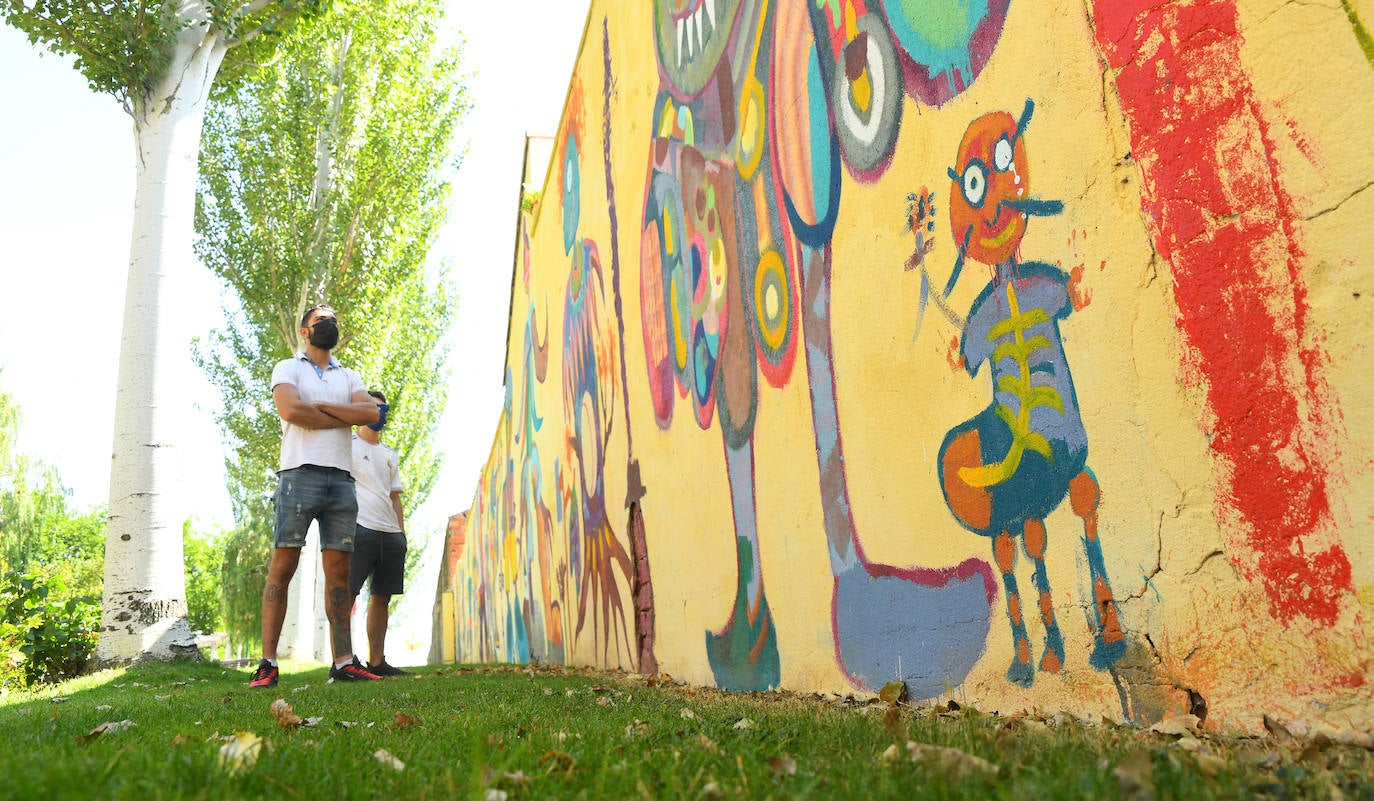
125	48
121	48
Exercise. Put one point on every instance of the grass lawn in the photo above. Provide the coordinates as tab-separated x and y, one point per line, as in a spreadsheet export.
505	732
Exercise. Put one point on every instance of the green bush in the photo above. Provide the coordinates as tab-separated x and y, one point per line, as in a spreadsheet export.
203	557
45	633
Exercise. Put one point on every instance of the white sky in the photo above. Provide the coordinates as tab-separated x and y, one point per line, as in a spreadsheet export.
66	198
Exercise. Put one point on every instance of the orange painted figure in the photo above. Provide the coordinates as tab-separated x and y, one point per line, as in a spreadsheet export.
1008	467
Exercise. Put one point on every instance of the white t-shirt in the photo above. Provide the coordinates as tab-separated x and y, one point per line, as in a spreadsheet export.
377	473
324	447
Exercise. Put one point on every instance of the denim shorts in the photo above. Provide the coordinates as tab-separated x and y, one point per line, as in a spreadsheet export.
322	494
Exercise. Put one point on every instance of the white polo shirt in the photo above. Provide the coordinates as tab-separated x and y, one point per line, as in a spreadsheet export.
377	471
324	447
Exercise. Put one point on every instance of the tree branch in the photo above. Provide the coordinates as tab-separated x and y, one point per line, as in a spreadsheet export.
271	22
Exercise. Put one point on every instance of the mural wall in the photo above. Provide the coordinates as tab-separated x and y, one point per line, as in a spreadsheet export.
1017	351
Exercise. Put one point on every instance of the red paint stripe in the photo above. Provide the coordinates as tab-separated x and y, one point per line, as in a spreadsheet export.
1222	219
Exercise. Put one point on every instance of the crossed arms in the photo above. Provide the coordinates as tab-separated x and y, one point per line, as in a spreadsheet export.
359	411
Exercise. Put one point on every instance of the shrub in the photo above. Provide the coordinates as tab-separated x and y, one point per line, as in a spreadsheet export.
45	635
203	557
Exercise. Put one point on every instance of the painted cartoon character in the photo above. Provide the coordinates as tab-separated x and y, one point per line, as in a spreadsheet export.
763	108
1008	467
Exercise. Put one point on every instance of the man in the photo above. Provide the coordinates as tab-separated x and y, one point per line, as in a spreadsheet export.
379	548
319	402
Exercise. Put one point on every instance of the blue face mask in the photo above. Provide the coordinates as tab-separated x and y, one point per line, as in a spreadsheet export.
381	418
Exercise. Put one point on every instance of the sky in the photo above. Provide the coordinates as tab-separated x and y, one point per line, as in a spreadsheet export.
66	207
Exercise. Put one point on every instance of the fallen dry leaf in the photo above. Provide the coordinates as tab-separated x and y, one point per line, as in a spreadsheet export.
301	688
404	721
1033	726
61	699
104	708
1276	729
955	763
1324	735
518	778
347	724
1312	755
603	701
285	716
744	723
1135	777
1209	764
711	792
494	794
782	765
495	778
707	744
561	760
893	692
892	721
383	756
686	714
891	754
1177	725
105	728
241	752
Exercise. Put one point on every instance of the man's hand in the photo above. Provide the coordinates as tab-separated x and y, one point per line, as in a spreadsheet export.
299	413
354	413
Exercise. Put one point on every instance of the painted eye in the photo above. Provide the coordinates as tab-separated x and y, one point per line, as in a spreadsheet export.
1001	155
975	183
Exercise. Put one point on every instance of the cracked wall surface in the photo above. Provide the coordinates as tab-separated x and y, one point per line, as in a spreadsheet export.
1015	351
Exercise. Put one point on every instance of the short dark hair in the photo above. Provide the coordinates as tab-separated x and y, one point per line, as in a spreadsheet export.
379	396
305	318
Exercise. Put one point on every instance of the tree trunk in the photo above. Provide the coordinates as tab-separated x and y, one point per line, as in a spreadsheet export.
144	609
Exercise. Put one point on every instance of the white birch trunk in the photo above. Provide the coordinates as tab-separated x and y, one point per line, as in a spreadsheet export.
144	609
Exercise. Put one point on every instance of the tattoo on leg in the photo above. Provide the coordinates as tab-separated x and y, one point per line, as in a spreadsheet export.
273	594
337	611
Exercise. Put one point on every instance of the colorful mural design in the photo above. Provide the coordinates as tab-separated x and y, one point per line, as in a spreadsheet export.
1006	469
743	196
816	451
601	564
1262	372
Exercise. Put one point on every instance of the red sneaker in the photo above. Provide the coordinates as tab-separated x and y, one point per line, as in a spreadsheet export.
264	676
353	671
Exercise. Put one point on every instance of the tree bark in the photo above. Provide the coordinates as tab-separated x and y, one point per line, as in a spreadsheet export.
144	608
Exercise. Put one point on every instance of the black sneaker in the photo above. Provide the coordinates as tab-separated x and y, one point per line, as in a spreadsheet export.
383	668
353	671
264	676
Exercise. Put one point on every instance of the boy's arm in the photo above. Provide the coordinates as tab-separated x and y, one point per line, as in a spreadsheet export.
400	513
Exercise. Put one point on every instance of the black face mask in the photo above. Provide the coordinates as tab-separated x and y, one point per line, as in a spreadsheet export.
324	334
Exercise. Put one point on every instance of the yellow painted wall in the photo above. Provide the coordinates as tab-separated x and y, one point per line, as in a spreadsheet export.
1121	467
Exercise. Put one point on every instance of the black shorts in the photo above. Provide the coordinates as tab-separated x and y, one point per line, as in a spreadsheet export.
381	555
